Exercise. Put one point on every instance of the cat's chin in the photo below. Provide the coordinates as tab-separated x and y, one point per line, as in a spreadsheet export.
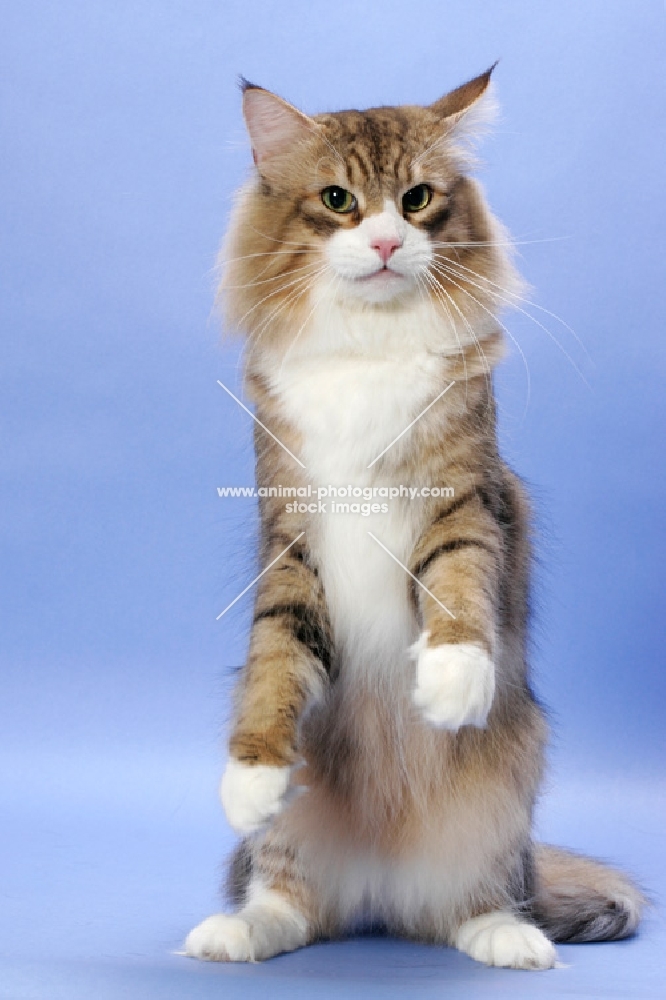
380	288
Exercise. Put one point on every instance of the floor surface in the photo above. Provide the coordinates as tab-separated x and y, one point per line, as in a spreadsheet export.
100	890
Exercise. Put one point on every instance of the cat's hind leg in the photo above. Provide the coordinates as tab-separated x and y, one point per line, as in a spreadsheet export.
502	939
269	923
274	915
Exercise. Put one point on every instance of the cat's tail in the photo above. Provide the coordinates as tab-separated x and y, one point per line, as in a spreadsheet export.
580	899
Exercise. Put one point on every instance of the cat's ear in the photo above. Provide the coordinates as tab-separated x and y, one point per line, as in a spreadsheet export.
274	125
462	98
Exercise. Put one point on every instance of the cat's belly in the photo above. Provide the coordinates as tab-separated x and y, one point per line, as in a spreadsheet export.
442	852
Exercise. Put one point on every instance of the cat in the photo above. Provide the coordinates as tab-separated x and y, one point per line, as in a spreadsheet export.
386	748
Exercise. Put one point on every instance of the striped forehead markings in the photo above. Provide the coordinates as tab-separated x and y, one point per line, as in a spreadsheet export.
376	147
354	157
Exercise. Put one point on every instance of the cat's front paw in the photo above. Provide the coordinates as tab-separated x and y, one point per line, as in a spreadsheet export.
455	684
252	794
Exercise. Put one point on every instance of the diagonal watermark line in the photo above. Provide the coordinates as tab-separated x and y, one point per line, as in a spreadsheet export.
265	570
410	425
415	579
257	420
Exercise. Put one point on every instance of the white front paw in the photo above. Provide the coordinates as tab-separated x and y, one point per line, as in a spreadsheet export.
252	794
455	683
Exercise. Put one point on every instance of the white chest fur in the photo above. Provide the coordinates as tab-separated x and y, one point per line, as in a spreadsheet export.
348	408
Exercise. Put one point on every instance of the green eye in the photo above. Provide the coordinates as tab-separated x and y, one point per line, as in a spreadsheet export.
417	198
338	199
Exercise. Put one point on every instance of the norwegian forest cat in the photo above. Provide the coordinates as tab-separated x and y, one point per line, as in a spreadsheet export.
386	747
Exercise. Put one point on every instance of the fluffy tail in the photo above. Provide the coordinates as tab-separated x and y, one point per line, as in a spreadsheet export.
579	899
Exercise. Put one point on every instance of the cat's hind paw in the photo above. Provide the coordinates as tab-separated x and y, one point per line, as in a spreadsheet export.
501	939
267	925
220	938
455	684
252	794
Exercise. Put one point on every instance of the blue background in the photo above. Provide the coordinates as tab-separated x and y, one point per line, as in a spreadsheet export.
122	144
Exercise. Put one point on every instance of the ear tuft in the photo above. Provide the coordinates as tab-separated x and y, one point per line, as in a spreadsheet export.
459	100
245	84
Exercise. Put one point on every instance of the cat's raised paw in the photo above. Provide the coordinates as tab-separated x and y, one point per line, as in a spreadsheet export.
455	684
252	794
501	939
220	939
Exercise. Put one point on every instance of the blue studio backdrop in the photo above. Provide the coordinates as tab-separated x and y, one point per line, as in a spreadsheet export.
123	143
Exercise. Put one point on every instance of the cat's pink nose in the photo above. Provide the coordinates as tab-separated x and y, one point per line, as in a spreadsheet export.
385	247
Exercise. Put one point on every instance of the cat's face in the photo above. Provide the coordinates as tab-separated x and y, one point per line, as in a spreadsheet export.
387	200
370	208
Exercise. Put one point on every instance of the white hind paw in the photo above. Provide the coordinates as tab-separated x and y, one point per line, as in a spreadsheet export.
252	794
220	939
455	683
503	940
267	925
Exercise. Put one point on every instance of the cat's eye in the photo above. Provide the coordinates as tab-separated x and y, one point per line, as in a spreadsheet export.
417	198
338	199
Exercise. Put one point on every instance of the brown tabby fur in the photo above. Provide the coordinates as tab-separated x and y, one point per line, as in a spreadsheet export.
380	783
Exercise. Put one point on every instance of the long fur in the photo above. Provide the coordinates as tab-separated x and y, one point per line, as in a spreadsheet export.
418	819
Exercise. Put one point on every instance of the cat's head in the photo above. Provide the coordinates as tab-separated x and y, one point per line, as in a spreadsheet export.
371	208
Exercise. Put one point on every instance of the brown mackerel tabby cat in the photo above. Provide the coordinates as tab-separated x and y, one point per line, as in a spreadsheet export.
388	649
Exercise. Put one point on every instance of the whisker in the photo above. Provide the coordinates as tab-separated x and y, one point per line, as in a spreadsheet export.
333	286
291	297
448	270
438	293
223	287
440	298
289	302
332	148
274	239
302	327
499	243
289	305
502	325
443	138
511	298
267	253
276	291
275	277
475	339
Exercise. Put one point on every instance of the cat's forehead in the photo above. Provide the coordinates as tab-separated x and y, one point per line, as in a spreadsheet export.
382	147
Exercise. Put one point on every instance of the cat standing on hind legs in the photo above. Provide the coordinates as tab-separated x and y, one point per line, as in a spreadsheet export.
388	647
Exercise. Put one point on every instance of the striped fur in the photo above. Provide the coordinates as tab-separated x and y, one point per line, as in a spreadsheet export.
400	809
